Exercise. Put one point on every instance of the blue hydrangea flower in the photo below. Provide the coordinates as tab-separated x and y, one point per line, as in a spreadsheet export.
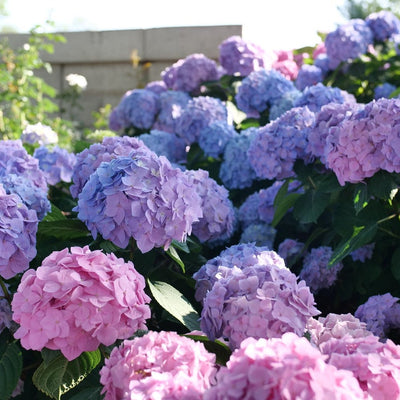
261	89
322	62
138	108
165	144
89	159
172	103
315	96
168	75
348	41
260	234
308	75
214	137
218	220
236	171
157	87
277	145
383	24
315	269
198	113
285	103
33	197
140	196
384	90
56	163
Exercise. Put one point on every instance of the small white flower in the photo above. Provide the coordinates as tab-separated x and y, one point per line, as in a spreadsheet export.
76	80
39	133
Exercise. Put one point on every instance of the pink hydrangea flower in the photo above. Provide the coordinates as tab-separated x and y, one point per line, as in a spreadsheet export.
78	299
158	365
286	64
282	368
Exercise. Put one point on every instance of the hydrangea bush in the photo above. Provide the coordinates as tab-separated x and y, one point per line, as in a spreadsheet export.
233	234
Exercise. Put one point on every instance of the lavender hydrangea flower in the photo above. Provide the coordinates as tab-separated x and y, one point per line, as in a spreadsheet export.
260	301
214	137
168	75
138	109
236	171
289	248
39	134
315	96
89	159
56	163
365	142
198	113
165	144
140	196
33	197
14	159
157	87
18	227
308	75
348	41
192	72
241	57
363	253
375	313
261	234
384	90
316	272
383	24
322	62
261	89
283	104
240	255
218	220
172	104
276	146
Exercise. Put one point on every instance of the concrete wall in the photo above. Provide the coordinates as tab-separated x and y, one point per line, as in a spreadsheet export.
105	58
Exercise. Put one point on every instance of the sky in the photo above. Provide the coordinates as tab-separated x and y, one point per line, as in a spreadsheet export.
272	24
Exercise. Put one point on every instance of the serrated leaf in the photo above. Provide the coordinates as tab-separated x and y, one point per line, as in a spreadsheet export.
310	206
66	229
361	235
58	376
54	215
175	303
10	369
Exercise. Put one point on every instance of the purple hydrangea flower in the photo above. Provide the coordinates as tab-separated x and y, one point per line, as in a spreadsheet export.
365	142
33	197
315	96
241	57
218	220
384	90
172	103
240	255
140	196
348	41
214	137
276	146
363	253
260	301
308	75
261	89
375	312
157	87
189	74
290	248
236	171
18	227
283	104
56	163
168	75
383	24
198	113
14	159
137	108
322	62
165	144
259	233
316	272
89	159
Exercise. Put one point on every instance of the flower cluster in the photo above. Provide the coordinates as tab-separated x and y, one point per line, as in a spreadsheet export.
316	271
261	234
140	196
56	163
308	75
18	227
218	220
363	253
78	299
158	365
286	64
383	25
276	146
89	159
283	104
384	90
77	80
39	134
290	248
261	300
288	367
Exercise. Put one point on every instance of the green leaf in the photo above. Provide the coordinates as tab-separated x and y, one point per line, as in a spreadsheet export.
310	206
10	368
175	256
382	183
175	303
221	350
66	229
181	246
55	214
89	394
395	264
361	235
283	206
59	375
361	197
